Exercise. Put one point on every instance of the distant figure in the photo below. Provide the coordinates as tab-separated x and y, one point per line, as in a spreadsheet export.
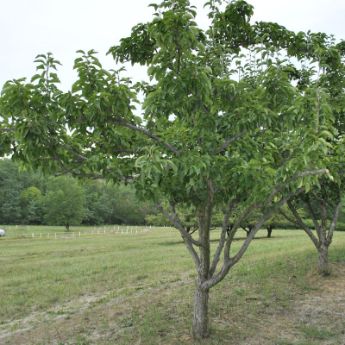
2	233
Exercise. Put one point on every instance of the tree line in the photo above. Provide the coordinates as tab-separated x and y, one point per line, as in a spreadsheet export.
28	197
32	198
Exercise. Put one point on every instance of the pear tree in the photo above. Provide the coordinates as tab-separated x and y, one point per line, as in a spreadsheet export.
223	126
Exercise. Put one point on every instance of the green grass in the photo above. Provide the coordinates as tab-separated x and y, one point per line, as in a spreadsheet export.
138	289
44	231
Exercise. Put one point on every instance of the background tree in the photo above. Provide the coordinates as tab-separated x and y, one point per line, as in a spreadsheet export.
107	203
322	204
13	204
64	202
22	199
224	127
31	205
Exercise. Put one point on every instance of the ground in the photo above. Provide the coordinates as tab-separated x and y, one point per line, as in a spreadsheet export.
138	289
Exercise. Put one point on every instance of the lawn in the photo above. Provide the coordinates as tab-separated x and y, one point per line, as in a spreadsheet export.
138	289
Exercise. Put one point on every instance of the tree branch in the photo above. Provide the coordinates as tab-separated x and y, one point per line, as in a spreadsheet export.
303	225
333	224
150	135
305	173
229	141
222	239
232	261
288	218
187	238
314	218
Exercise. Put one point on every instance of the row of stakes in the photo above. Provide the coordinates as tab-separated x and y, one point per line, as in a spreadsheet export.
120	231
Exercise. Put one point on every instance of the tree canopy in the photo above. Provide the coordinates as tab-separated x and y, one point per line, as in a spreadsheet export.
233	118
65	202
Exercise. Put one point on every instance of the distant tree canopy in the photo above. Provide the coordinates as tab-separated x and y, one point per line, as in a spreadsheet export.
19	195
24	199
64	202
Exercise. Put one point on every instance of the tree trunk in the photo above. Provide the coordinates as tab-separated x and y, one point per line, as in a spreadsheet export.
200	317
269	231
323	265
67	226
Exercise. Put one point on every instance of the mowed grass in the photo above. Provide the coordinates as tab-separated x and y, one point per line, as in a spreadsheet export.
138	289
45	231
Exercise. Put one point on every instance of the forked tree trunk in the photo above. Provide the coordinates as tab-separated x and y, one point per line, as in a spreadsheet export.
323	264
200	316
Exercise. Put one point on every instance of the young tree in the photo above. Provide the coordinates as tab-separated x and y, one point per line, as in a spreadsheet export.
223	127
64	202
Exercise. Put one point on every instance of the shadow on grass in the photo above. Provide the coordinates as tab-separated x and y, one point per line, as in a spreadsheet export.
170	243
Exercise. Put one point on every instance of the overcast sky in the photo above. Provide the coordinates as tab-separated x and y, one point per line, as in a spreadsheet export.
30	27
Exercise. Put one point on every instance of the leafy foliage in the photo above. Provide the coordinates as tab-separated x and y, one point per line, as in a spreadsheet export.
64	202
230	122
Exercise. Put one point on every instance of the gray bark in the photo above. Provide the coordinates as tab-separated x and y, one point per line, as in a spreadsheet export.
323	264
200	316
324	237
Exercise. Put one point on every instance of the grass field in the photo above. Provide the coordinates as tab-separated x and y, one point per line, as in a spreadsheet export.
138	289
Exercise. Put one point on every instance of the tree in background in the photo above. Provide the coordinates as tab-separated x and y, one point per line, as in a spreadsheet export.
225	126
107	203
13	203
22	199
10	193
322	204
31	205
64	202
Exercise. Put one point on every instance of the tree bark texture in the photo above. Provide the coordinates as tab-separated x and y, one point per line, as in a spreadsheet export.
323	264
200	316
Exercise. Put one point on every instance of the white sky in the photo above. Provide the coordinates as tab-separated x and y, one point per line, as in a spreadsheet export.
30	27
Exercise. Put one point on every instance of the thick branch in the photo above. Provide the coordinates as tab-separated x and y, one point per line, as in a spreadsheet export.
150	135
303	225
323	221
222	239
334	223
288	218
266	216
314	218
232	261
187	238
244	215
